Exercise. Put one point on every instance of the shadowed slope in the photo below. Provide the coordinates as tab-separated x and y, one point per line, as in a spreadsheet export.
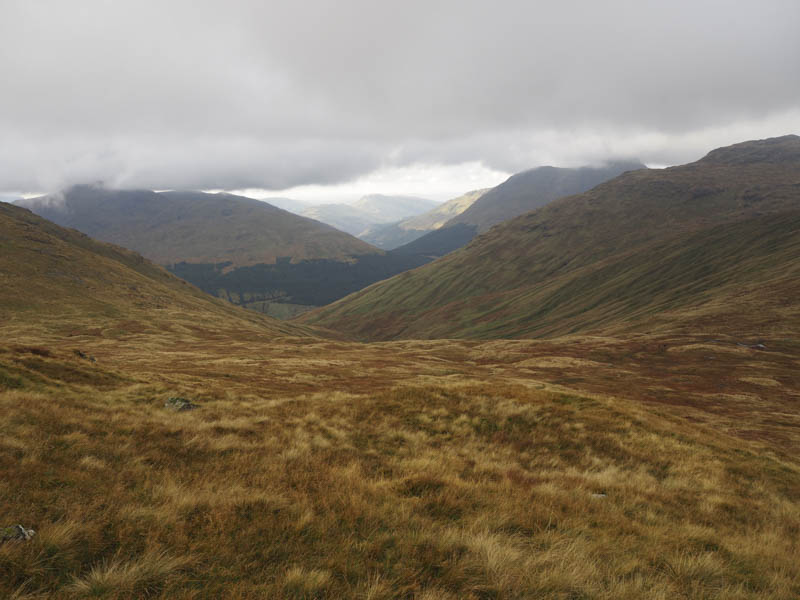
686	245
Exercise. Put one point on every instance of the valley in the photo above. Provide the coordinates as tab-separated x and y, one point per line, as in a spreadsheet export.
635	434
399	300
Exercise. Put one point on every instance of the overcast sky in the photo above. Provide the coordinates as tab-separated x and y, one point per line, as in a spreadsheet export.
331	99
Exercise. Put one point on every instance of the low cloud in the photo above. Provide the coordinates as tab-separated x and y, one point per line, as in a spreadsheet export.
245	94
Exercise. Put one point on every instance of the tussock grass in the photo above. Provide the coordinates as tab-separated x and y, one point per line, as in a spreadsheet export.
138	577
417	491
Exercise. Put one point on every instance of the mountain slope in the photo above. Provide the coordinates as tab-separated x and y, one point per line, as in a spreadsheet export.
517	195
236	248
367	212
711	244
341	216
391	235
61	280
172	227
388	209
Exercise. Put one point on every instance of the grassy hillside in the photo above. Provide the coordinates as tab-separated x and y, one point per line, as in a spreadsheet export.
235	248
173	227
649	466
531	189
713	243
519	194
60	280
318	469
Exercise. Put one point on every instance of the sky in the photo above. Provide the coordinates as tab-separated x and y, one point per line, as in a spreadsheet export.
329	100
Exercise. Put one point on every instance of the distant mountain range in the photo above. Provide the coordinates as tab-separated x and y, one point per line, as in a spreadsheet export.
241	249
519	194
709	246
343	217
360	216
392	235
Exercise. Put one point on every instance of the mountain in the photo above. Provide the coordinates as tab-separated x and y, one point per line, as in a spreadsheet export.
60	280
237	248
172	227
709	246
531	189
343	217
293	206
388	209
368	211
643	466
391	235
519	194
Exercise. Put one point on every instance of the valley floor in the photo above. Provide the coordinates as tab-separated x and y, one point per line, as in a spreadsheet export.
571	468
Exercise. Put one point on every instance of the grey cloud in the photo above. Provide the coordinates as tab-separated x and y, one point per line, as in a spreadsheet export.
273	94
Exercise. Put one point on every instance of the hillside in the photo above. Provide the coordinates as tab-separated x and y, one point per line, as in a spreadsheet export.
59	280
343	217
391	235
319	468
367	212
712	245
236	248
388	209
172	227
640	467
517	195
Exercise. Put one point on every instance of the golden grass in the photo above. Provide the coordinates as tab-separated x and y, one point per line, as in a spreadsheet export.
439	470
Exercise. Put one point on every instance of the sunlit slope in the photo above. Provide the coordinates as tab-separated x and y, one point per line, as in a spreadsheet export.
62	280
391	235
712	243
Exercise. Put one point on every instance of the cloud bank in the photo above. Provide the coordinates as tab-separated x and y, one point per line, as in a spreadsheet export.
252	94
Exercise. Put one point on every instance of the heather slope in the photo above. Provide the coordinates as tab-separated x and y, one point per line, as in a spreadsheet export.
711	243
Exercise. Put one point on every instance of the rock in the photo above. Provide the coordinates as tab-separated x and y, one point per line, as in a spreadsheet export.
180	404
598	495
758	346
84	356
16	532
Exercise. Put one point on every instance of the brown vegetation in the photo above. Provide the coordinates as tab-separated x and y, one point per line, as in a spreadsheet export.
323	469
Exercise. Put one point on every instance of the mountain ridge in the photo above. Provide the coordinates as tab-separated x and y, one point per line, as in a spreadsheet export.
520	272
517	195
179	226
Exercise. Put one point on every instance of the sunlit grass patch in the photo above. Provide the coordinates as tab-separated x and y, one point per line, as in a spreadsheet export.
137	577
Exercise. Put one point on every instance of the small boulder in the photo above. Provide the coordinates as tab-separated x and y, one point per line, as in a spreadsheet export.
84	356
180	404
15	532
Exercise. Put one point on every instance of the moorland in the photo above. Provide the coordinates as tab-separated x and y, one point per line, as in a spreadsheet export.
650	454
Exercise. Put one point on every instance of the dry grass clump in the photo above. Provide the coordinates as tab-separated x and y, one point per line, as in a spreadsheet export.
431	491
138	577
